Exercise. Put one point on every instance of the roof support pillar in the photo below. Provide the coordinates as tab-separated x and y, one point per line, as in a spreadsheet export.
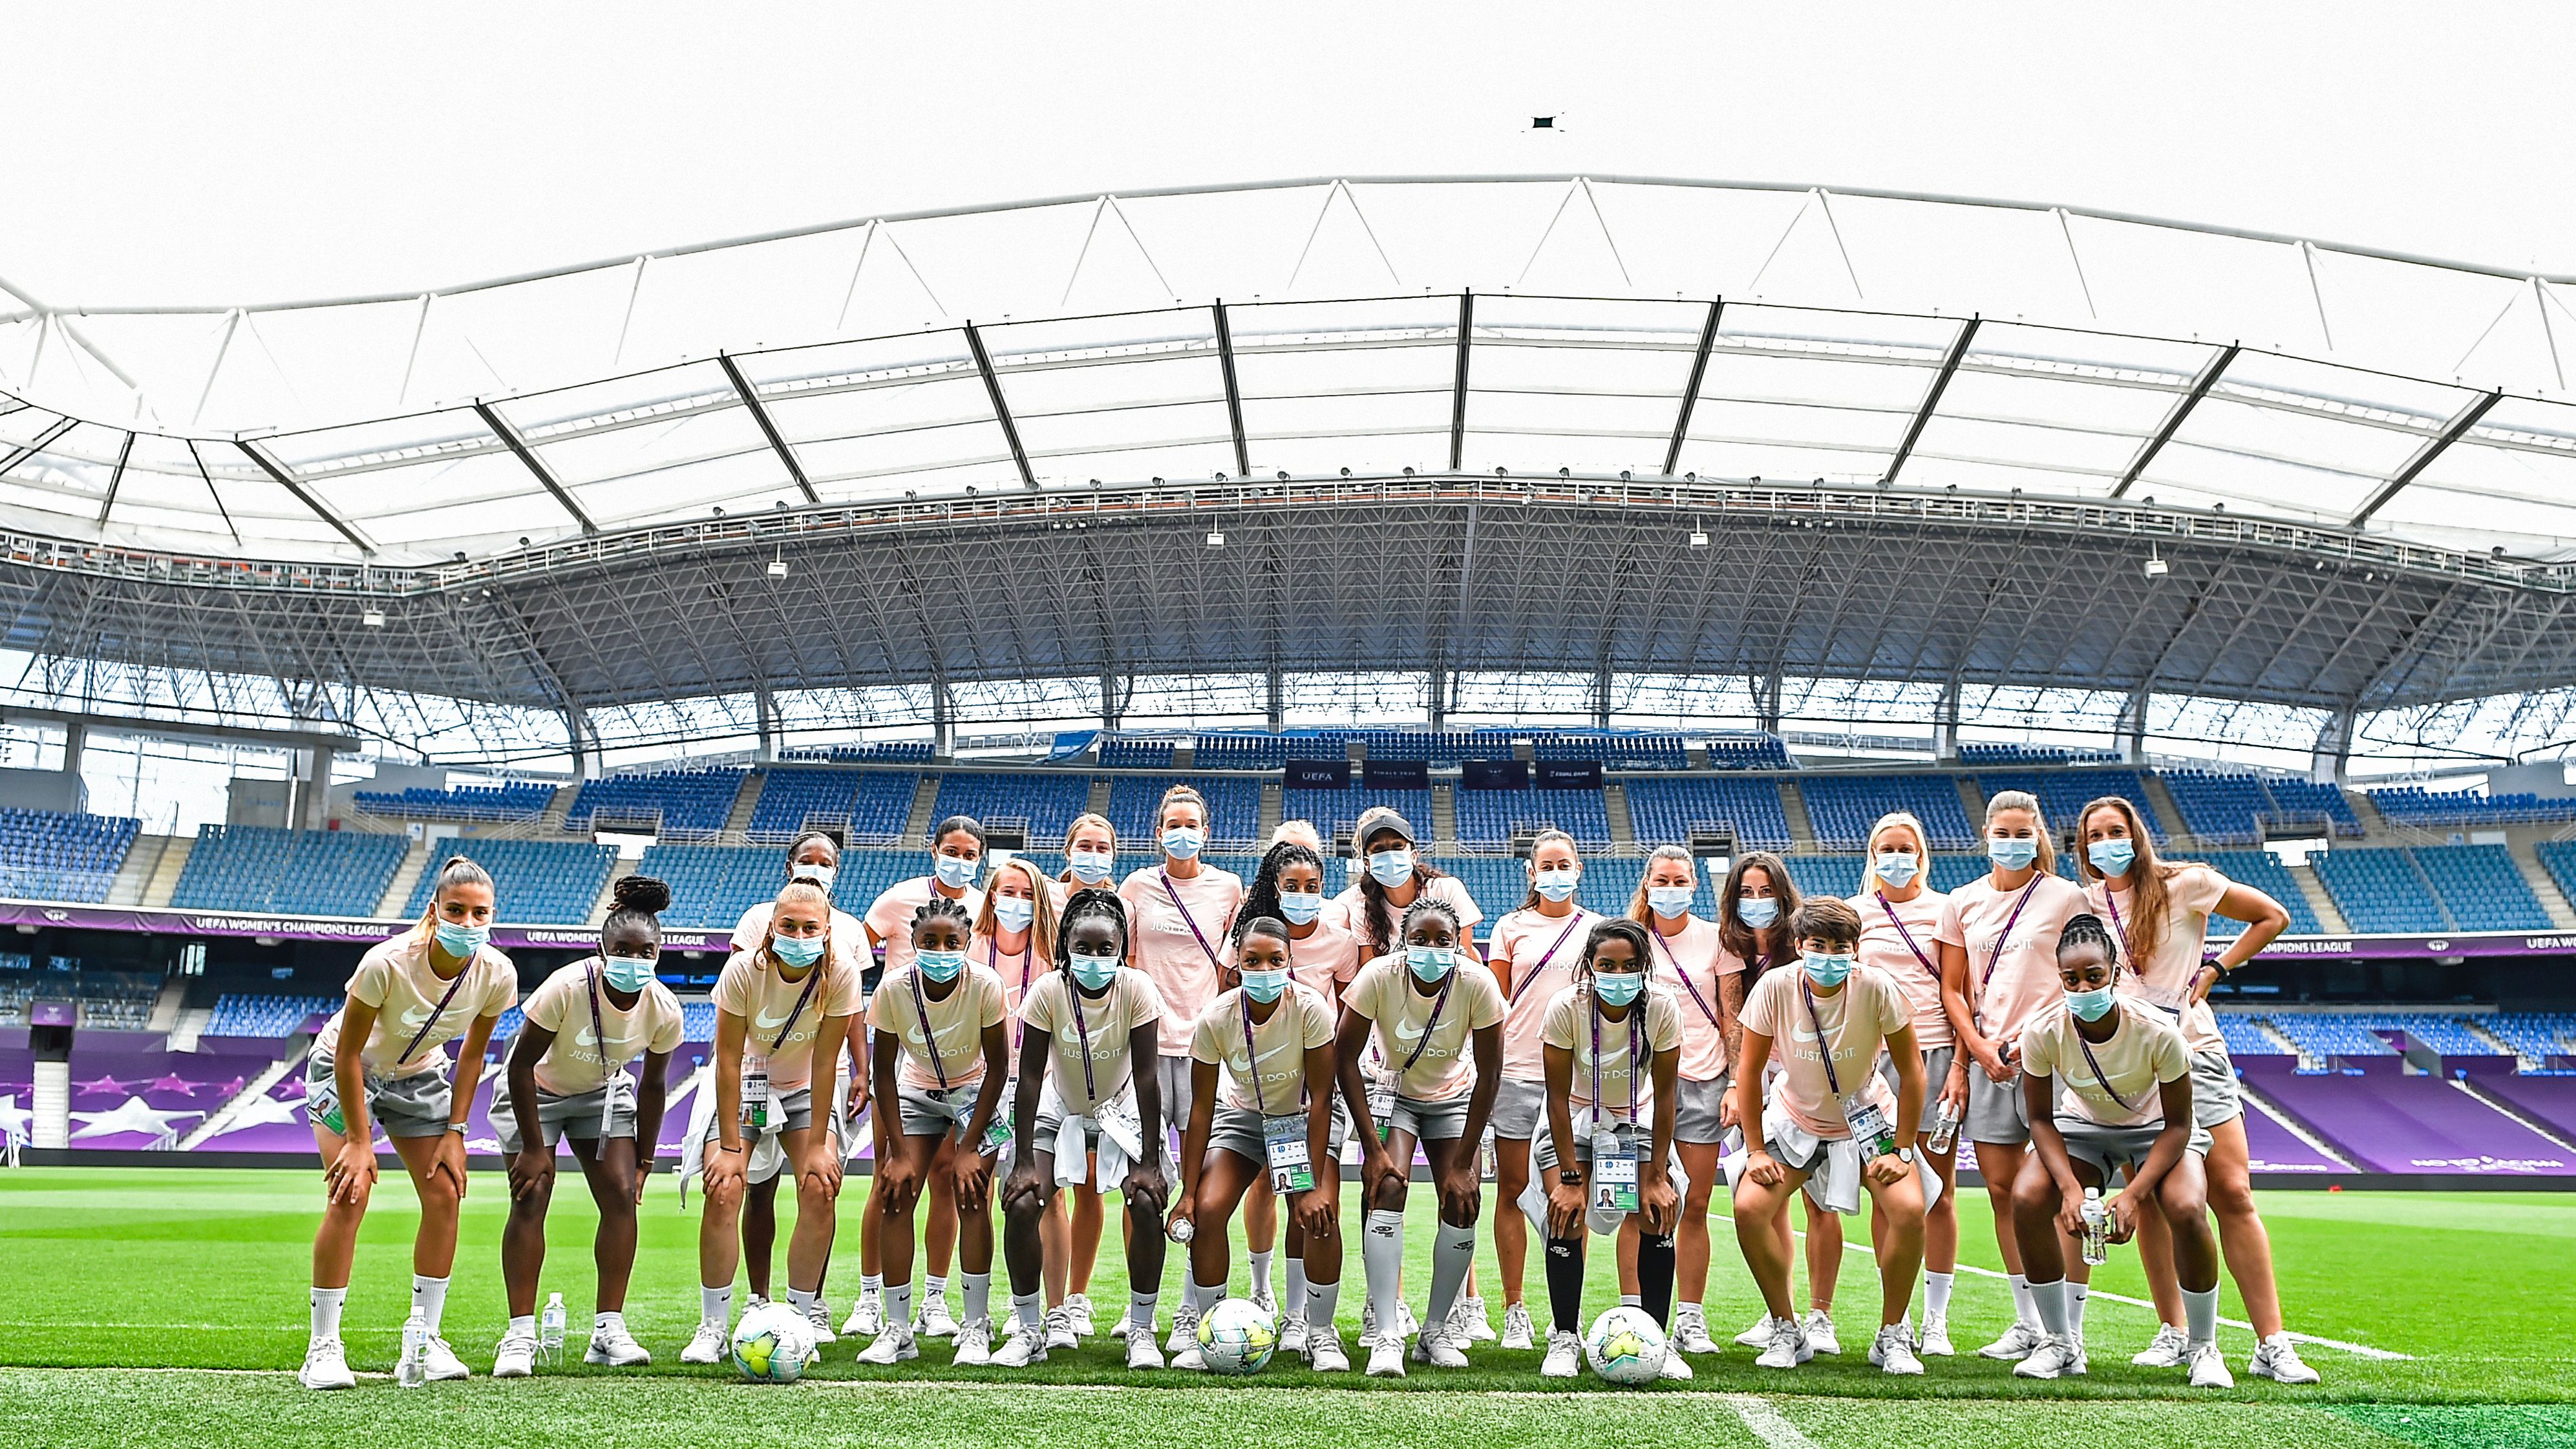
1690	390
2133	725
313	802
1458	392
1233	392
1278	697
943	720
583	743
1766	701
2331	761
1439	694
1113	697
1932	398
765	708
1945	723
1601	695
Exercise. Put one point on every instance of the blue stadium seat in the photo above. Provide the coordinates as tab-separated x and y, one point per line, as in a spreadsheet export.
1334	812
1225	752
2264	872
1842	808
1749	752
2379	891
1045	804
2063	794
712	885
515	800
2481	888
263	1015
1234	809
54	856
288	872
1663	811
1121	753
2327	1034
685	802
873	805
534	882
1493	817
2294	799
2414	805
2219	808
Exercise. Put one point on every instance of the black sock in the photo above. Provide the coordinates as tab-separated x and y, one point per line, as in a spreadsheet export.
1565	1283
1655	1277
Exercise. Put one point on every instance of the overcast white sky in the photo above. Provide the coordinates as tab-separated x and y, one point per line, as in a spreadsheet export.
227	153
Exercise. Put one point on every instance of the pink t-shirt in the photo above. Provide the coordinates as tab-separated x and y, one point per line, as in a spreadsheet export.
1853	1023
1178	945
1627	1077
1445	1066
587	1046
2012	980
776	1031
1911	956
1446	888
395	978
1534	956
2164	981
1324	962
954	1029
1688	963
1016	970
889	919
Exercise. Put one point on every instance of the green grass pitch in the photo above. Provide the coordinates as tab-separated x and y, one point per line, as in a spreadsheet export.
196	1279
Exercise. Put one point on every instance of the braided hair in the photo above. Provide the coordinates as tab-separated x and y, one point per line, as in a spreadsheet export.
1081	906
941	908
637	901
1428	904
1261	898
2087	929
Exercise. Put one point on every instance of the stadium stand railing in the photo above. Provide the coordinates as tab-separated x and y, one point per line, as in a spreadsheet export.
289	872
1667	810
534	882
1842	808
1041	805
2414	805
2379	891
2430	888
1982	756
685	804
2264	872
1120	753
1755	752
2224	807
260	1014
1335	812
905	752
55	856
867	807
712	885
516	800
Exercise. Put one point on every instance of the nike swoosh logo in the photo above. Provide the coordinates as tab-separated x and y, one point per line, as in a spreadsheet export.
771	1023
1801	1033
412	1020
586	1037
1402	1036
1274	1051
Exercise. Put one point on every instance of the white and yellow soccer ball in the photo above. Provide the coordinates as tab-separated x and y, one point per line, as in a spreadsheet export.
1237	1336
772	1344
1625	1347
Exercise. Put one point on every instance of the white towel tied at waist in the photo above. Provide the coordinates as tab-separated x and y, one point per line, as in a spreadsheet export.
1122	1138
1835	1185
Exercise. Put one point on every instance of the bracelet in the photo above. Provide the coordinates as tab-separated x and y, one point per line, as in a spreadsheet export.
720	1147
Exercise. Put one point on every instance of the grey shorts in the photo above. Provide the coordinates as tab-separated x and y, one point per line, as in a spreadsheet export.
930	1112
1173	1074
1695	1110
2110	1149
1792	1161
1936	1070
1238	1130
1996	1111
1430	1121
2215	1097
1602	1218
1050	1125
766	1153
575	1116
413	1106
1520	1108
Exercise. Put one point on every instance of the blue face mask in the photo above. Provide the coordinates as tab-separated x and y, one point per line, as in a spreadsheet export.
1670	900
2091	1005
1757	912
1300	909
2011	854
1181	842
1391	867
1554	885
940	965
2112	857
1895	867
1618	988
1013	914
1094	972
1431	963
797	950
1828	970
1265	985
1090	867
821	875
955	871
458	940
626	973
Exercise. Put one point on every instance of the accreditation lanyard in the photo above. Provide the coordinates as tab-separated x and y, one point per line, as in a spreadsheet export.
1995	956
1548	955
993	958
1902	930
441	1010
1192	922
1082	1036
2099	1075
1696	999
1428	1022
929	1038
599	1029
1636	1047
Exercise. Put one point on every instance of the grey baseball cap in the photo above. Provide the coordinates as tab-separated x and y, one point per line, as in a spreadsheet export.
1377	818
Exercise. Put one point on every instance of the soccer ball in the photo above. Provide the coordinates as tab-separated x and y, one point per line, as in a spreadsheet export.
771	1345
1236	1336
1625	1347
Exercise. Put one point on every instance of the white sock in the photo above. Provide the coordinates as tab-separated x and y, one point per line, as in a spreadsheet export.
979	1297
1295	1297
801	1301
2025	1312
871	1285
1453	1252
2200	1311
1632	1300
326	1311
429	1297
715	1305
934	1290
1204	1296
1029	1309
602	1322
1382	1264
1140	1309
524	1323
2048	1300
2076	1293
1936	1294
899	1306
1260	1273
1323	1300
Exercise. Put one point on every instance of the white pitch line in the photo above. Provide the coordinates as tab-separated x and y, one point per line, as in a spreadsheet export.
2358	1350
1767	1423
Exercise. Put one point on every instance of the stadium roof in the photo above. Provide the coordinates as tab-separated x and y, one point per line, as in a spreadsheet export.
1931	440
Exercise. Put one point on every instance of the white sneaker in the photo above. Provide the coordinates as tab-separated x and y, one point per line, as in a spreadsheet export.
867	1316
933	1320
1059	1331
1820	1332
1119	1329
611	1346
974	1342
1021	1346
892	1346
1758	1336
2208	1367
1787	1346
515	1357
1077	1313
2019	1341
1933	1340
2165	1350
326	1366
1690	1332
819	1314
708	1344
1141	1352
1185	1333
2055	1357
1438	1347
1324	1351
443	1364
1675	1366
1406	1325
1292	1336
1386	1358
1468	1322
2276	1359
1893	1351
1368	1323
1518	1331
1262	1300
1564	1355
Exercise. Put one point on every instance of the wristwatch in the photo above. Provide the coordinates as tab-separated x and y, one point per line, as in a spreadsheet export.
1571	1177
1905	1155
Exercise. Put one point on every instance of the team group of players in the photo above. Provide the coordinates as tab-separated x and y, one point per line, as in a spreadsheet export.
1032	1043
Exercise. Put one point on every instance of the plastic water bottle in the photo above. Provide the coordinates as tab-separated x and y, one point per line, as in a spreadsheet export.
1485	1163
1945	1128
550	1328
412	1369
1181	1230
2097	1227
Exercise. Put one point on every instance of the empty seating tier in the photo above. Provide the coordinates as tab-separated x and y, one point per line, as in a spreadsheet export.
516	800
1842	808
260	1015
49	855
2414	805
672	802
1494	817
288	872
534	882
712	885
870	806
1665	811
1234	810
2063	794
